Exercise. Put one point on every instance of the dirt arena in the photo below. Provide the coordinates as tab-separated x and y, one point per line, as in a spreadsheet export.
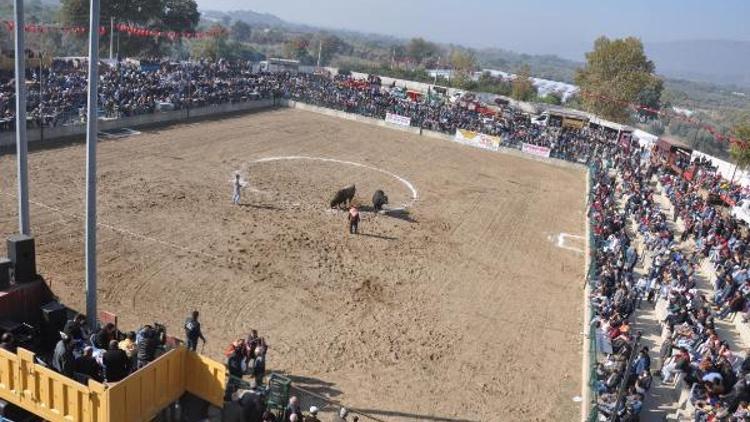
464	309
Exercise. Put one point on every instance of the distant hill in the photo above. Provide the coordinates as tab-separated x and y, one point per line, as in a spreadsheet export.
716	61
247	16
719	62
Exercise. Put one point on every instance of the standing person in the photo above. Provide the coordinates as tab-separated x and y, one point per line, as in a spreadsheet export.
237	189
353	220
193	332
259	366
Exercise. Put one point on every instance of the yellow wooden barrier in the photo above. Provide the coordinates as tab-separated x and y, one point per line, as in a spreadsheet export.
205	378
46	393
139	397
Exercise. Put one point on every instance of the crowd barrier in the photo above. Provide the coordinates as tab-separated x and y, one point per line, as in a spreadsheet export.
422	132
52	134
141	396
589	410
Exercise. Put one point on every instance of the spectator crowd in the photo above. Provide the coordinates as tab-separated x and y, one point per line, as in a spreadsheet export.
626	179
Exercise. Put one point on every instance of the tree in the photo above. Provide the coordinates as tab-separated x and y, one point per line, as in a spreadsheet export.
617	73
214	47
553	98
296	49
241	31
328	46
163	15
421	50
463	61
740	150
651	98
523	87
180	15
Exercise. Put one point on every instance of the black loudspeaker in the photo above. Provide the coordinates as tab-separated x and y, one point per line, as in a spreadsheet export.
23	256
55	316
4	273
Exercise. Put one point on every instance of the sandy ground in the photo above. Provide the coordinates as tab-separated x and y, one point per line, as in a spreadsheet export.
465	310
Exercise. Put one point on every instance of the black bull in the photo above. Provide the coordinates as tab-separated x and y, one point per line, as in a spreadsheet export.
343	196
379	199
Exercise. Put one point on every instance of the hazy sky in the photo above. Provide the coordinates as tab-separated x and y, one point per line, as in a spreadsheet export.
564	27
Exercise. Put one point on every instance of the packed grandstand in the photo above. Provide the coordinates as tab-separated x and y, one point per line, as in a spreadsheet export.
655	220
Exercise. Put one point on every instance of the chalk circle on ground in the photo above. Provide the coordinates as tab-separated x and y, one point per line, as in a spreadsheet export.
403	181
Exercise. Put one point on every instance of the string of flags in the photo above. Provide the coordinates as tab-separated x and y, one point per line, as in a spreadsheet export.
131	30
144	32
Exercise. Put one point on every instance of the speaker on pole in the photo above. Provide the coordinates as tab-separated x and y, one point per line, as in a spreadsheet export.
5	265
22	255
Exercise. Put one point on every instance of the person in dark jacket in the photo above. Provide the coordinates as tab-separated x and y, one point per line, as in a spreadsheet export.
146	346
62	359
86	365
193	331
116	363
74	327
104	336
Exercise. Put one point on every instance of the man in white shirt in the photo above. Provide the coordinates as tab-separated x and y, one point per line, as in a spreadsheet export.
237	189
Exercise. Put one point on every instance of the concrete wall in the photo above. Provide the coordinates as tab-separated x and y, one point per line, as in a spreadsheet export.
53	134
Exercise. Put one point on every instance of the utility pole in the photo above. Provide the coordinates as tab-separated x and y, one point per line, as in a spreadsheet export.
111	37
91	139
21	146
41	98
320	51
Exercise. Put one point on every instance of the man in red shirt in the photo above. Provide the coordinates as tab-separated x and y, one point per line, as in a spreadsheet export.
353	220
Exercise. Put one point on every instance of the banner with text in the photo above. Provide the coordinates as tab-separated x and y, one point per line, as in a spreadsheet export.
478	139
395	119
535	150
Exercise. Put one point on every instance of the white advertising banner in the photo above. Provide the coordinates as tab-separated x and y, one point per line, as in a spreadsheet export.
535	150
395	119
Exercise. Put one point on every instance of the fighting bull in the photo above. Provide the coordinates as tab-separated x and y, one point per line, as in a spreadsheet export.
343	196
379	199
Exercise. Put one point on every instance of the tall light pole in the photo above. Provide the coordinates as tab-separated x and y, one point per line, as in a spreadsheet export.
91	131
21	146
111	37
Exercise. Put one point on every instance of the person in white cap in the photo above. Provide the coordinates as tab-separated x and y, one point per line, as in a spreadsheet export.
343	413
313	415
